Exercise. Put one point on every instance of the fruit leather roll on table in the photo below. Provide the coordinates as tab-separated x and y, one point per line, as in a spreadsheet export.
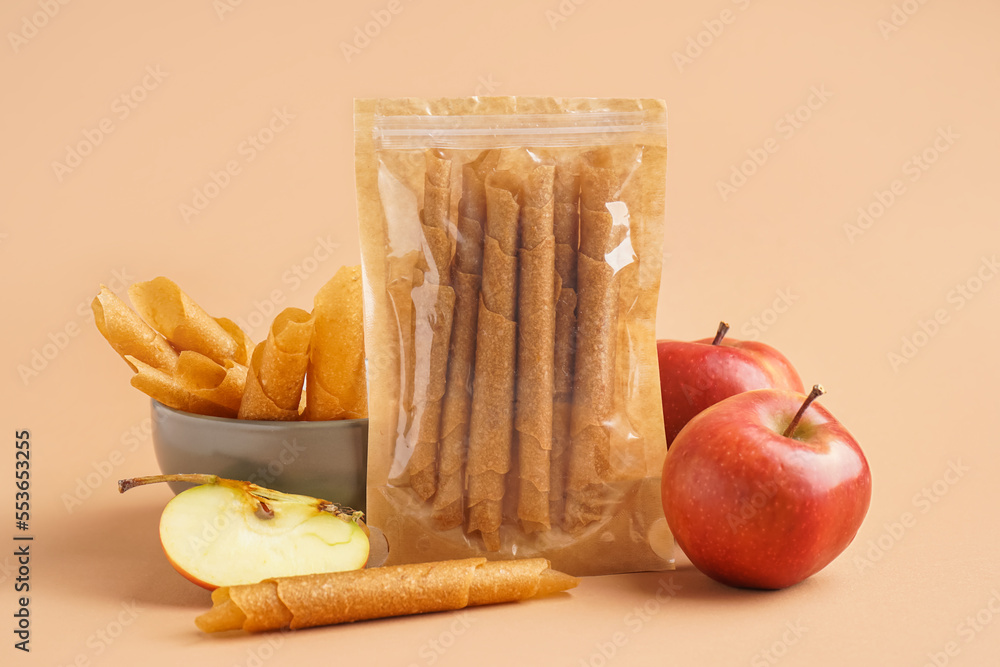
346	597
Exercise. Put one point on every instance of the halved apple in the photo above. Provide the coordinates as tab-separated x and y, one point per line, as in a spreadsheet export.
228	532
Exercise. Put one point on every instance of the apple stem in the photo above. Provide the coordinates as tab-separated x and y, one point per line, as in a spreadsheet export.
816	392
126	484
265	498
721	333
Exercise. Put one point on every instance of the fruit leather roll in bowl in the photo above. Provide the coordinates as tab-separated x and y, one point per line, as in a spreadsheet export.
511	255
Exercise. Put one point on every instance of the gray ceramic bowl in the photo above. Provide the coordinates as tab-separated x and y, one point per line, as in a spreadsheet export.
326	459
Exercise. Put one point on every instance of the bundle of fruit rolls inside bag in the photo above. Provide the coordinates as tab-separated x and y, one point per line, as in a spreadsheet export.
512	251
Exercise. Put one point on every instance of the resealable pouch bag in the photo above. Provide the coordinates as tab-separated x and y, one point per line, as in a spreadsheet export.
511	253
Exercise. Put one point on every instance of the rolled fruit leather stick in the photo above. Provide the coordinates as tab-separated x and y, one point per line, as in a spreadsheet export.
399	590
214	384
335	377
404	266
597	332
285	358
183	322
449	508
168	390
536	332
244	346
128	334
403	276
256	404
566	220
434	303
492	418
274	381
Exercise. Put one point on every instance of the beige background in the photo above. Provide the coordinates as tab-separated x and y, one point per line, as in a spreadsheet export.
838	301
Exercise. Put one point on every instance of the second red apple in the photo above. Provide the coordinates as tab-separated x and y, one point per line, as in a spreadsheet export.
698	374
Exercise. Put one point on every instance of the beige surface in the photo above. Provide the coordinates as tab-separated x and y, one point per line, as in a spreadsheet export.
264	242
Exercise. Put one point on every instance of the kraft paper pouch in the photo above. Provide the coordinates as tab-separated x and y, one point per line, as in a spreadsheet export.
511	253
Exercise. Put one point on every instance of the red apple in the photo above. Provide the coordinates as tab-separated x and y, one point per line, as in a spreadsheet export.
695	375
763	489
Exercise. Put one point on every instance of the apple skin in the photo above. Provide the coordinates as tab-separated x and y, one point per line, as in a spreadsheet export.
754	509
695	375
211	534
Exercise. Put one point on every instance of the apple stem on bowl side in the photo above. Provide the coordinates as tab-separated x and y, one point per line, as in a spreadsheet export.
261	495
816	392
194	478
720	333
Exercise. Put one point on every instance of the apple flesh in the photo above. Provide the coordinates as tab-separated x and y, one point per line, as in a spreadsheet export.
755	508
228	532
698	374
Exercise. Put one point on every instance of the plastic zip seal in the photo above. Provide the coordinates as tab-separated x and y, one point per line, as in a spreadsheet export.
552	130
